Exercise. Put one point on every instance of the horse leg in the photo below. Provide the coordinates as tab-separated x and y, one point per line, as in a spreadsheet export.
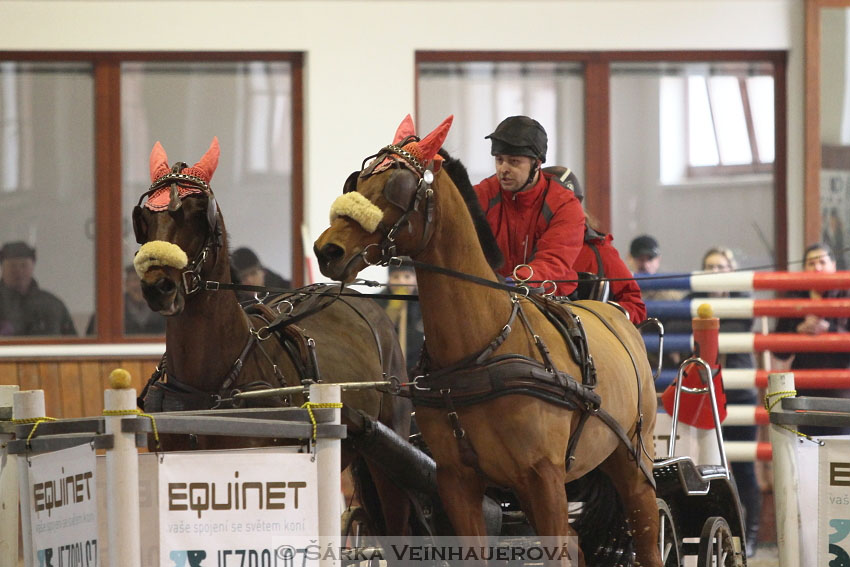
395	504
462	495
638	499
543	498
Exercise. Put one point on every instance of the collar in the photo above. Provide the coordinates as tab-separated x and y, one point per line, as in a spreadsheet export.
528	196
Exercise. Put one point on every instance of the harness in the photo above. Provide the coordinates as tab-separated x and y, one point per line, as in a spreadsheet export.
482	376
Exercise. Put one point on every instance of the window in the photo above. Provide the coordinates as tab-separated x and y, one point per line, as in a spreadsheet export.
727	122
67	186
653	136
47	201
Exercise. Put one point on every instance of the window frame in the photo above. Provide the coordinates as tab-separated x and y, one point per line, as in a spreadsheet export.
597	127
109	268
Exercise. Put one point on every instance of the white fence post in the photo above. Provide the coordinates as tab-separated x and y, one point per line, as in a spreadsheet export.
26	405
328	460
8	491
122	475
785	477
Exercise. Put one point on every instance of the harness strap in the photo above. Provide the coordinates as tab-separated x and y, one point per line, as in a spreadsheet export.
468	456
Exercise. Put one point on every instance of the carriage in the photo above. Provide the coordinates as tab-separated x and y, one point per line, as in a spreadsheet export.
552	430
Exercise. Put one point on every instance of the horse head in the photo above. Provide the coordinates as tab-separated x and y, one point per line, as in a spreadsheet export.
179	228
387	208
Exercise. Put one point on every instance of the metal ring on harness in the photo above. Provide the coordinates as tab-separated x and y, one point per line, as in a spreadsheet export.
365	252
549	293
257	296
288	311
519	279
262	333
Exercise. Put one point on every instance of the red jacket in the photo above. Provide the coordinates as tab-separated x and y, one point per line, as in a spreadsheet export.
624	292
542	226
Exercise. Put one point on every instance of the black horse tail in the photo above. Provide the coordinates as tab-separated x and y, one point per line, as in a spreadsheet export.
603	532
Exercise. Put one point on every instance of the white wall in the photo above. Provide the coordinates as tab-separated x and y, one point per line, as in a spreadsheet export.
360	77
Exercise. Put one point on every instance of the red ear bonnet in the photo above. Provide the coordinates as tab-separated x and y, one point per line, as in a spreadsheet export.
204	169
425	150
404	130
430	144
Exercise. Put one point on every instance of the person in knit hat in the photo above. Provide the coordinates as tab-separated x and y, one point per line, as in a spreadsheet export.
25	308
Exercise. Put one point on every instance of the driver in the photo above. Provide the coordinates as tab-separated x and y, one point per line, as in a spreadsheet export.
536	220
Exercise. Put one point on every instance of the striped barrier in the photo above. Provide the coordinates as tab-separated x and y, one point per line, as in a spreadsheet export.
742	379
747	308
757	342
745	281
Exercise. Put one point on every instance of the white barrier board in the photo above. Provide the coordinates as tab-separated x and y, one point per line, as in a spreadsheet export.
833	539
63	507
232	508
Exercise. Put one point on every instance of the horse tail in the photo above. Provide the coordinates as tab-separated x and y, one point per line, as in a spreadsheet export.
603	531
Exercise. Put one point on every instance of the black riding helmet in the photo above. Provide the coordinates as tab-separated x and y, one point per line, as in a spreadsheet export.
519	136
566	177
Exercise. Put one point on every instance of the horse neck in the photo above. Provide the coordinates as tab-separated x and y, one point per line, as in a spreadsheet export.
206	338
460	317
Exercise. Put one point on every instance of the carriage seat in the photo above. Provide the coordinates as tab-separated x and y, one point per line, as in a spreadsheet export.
591	287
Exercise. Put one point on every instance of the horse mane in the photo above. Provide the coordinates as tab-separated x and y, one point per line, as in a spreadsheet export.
459	176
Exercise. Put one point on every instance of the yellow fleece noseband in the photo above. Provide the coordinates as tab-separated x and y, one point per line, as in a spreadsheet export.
159	253
359	209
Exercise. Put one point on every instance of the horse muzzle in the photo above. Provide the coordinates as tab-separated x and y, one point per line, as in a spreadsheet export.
335	261
161	293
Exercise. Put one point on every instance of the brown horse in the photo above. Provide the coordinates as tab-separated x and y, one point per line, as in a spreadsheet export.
404	203
215	348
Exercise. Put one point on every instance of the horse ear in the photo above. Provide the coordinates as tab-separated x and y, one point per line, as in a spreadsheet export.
404	130
158	162
209	162
429	145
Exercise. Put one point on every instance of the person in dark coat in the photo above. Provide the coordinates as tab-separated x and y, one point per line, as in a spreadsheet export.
818	257
246	269
25	308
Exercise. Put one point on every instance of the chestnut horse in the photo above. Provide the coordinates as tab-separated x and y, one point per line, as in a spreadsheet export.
214	348
403	203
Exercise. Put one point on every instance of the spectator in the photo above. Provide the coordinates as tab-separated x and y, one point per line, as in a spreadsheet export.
535	220
645	255
247	269
818	258
139	319
719	259
599	258
405	314
645	258
26	309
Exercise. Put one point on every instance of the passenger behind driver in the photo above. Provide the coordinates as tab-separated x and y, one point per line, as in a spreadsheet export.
597	249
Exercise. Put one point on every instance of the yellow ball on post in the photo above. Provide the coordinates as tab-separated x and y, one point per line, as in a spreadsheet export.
120	379
705	311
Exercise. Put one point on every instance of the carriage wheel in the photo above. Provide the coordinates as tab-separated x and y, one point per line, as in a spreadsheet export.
668	538
717	546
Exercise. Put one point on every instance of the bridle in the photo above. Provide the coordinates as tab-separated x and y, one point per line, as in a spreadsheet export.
213	239
409	189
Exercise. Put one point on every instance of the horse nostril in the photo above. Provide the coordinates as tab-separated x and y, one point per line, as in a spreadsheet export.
330	252
165	286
